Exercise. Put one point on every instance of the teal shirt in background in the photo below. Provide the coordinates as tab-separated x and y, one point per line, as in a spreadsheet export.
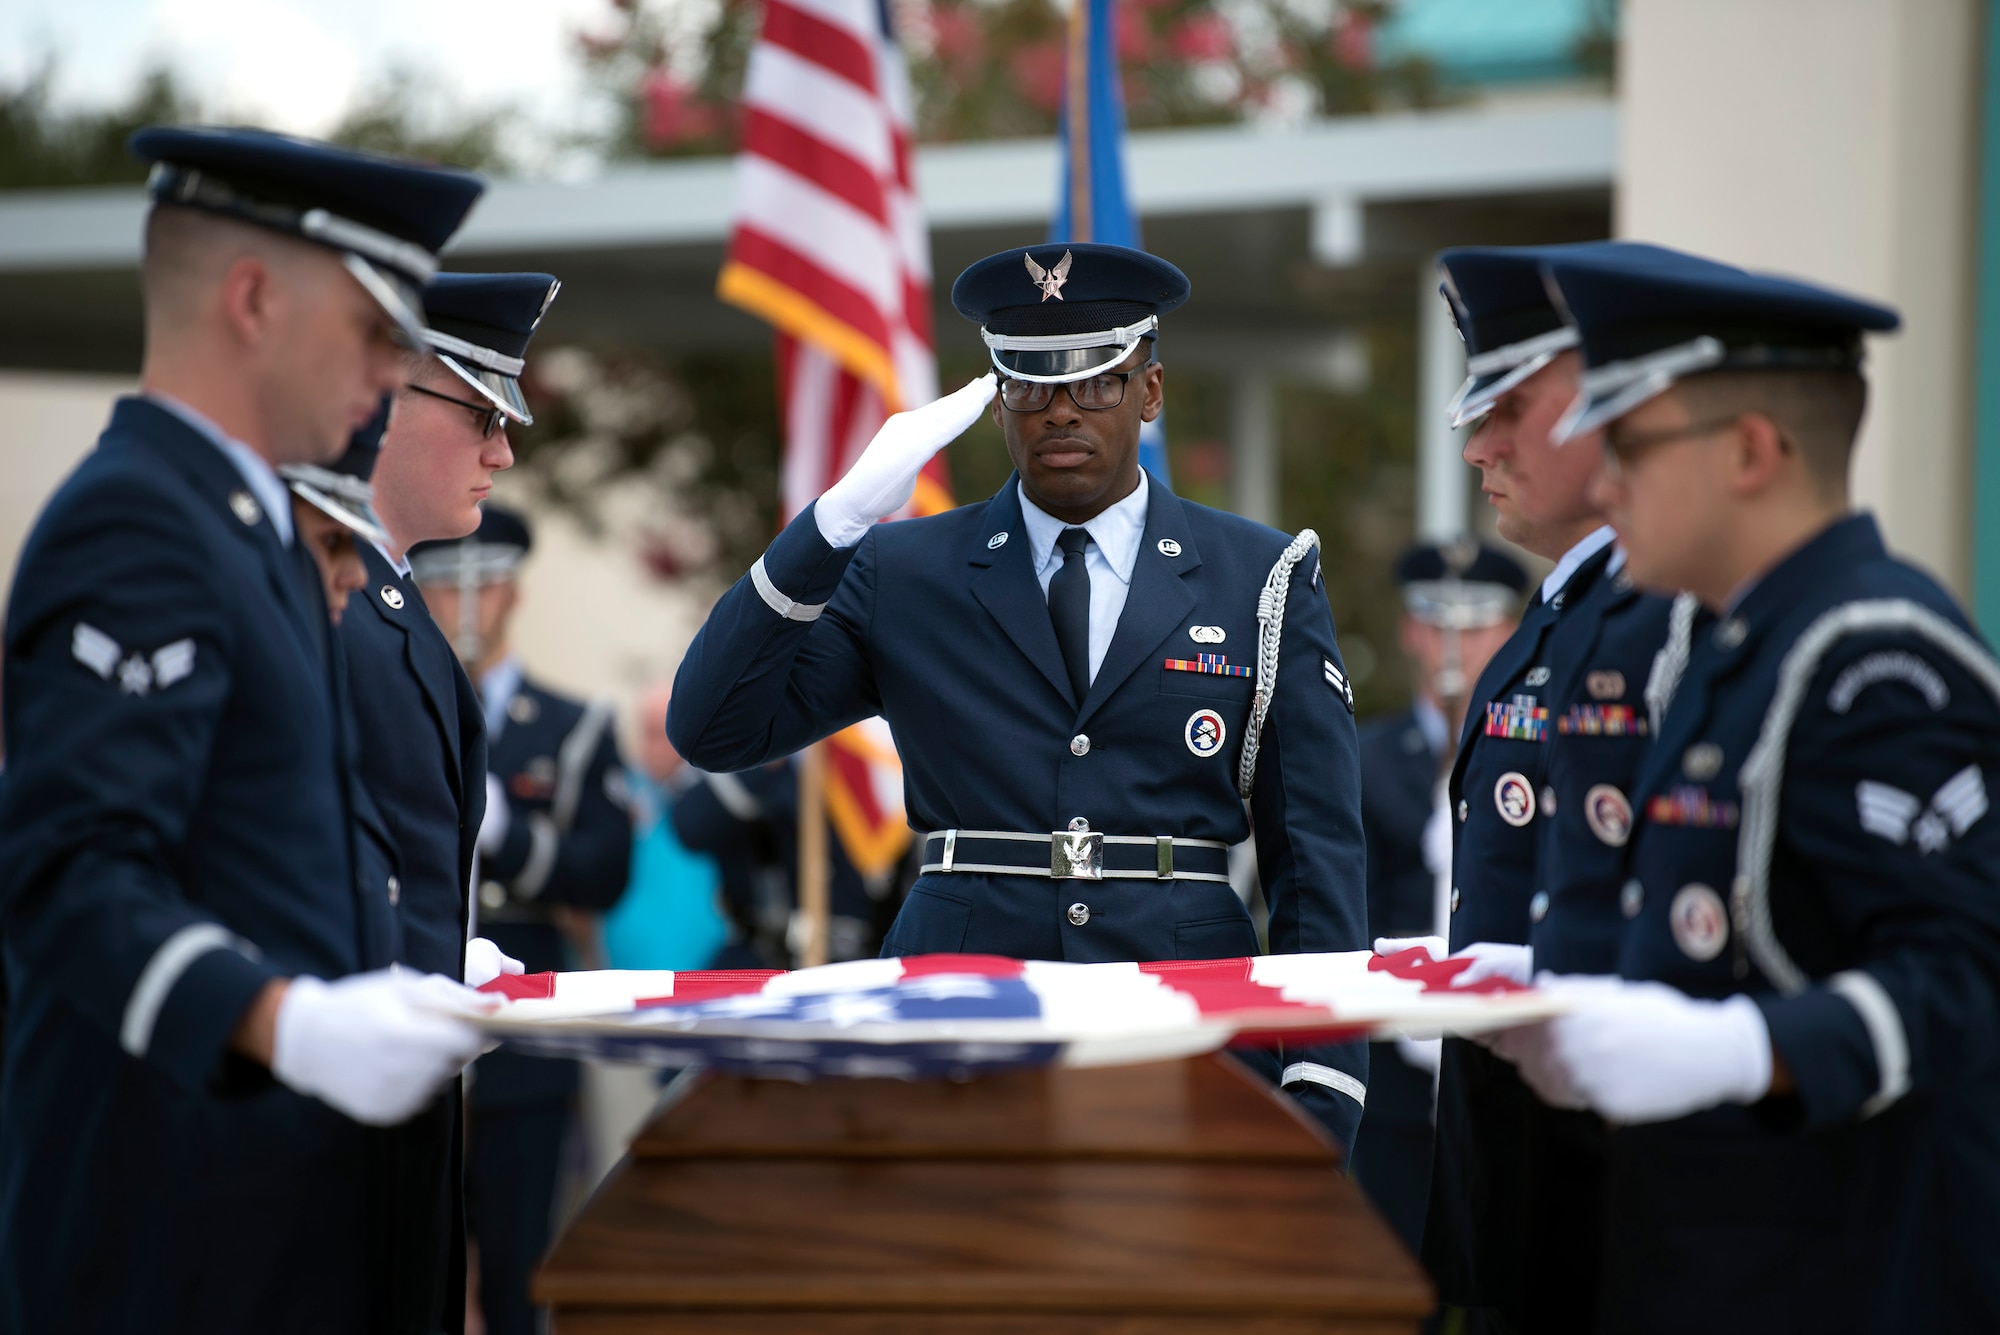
668	918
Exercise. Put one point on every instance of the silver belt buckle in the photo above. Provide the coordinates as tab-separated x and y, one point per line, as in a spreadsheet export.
1076	854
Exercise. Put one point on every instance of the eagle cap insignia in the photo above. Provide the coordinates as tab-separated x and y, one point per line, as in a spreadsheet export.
1460	553
1050	281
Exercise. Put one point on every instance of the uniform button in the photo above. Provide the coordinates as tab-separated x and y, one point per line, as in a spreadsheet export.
493	895
1548	801
1079	745
1631	897
1454	899
1462	809
1079	914
1538	907
395	891
1731	633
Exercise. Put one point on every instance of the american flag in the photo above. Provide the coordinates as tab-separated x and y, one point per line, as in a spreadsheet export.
829	246
930	1015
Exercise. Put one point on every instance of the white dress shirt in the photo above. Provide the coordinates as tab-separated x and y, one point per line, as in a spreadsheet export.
1114	549
258	475
399	564
1574	557
498	686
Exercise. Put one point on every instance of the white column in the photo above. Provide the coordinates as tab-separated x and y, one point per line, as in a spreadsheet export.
1835	140
1253	435
1443	477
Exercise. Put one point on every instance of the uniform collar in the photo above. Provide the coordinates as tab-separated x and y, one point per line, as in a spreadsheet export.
1117	530
258	475
1847	541
1573	558
399	564
497	686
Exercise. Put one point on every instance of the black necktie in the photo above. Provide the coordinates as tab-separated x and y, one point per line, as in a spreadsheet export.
1069	608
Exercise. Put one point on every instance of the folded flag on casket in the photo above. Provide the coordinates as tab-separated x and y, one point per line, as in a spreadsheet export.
953	1015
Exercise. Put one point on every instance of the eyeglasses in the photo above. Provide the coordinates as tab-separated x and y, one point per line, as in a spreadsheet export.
489	418
1101	391
1627	446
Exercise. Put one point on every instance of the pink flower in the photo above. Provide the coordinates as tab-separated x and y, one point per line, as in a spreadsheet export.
669	114
1038	73
1202	37
958	35
1353	42
1135	35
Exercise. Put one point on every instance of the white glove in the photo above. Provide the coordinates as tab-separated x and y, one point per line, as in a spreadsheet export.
1425	1054
375	1046
485	961
885	476
1490	959
1644	1052
493	825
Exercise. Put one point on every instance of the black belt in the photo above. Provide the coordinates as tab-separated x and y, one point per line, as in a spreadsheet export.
1076	854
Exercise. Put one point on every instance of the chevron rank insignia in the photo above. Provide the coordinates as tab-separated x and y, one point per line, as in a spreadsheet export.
1213	664
1338	680
1903	818
136	673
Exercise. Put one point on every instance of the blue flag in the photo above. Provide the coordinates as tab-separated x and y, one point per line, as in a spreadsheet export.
1092	202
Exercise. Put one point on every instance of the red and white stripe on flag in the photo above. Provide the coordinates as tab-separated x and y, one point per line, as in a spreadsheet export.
829	246
829	243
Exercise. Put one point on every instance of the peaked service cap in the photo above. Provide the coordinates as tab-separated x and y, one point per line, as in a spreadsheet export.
479	326
1066	310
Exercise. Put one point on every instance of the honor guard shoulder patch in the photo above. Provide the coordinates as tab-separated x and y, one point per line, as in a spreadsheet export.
1517	720
1217	665
1338	680
1892	665
1601	721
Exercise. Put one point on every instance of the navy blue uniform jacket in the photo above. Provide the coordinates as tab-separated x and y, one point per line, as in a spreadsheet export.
569	842
940	626
1542	796
1868	1200
423	764
1399	778
176	830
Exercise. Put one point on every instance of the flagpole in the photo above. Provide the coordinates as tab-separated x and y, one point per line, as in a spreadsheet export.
815	870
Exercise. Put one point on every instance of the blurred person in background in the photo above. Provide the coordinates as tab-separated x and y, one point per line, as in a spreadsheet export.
555	852
1461	601
333	512
749	822
670	916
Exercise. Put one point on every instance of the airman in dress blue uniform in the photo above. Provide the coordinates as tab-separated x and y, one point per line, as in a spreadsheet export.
1799	1052
559	838
423	740
1460	600
197	939
1087	677
1540	798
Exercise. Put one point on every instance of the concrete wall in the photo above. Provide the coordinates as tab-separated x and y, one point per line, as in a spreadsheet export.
1836	140
51	421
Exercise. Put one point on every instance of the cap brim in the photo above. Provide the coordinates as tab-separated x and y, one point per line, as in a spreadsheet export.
1476	397
502	391
394	293
1056	366
359	518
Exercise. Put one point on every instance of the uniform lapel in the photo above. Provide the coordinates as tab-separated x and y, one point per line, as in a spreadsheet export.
216	479
1007	588
1157	601
423	662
